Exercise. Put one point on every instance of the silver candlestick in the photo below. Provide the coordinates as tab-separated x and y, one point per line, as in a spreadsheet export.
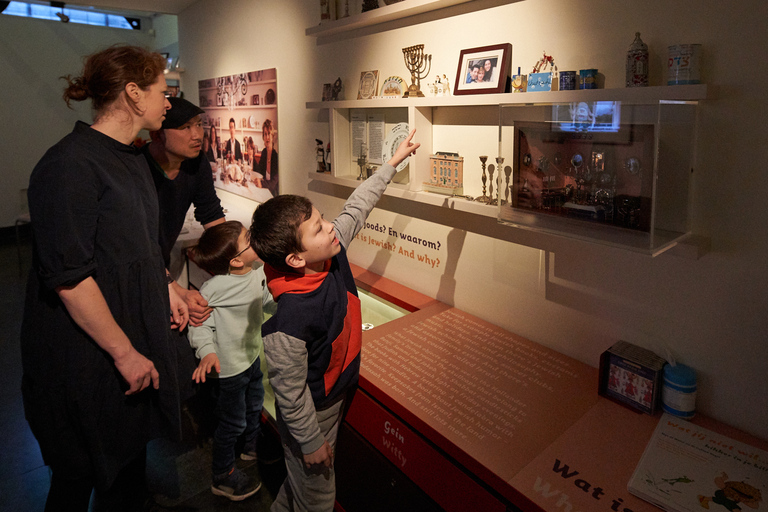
507	191
483	199
499	166
362	161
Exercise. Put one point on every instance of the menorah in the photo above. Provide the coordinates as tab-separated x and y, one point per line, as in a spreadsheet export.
419	64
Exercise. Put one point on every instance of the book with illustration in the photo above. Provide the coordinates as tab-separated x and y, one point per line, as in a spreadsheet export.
686	468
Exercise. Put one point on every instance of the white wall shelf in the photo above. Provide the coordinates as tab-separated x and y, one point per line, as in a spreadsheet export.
429	115
629	95
383	14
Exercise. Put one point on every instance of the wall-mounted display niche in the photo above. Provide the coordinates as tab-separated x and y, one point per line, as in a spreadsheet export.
609	166
606	171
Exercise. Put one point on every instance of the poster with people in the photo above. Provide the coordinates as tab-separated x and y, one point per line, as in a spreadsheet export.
241	140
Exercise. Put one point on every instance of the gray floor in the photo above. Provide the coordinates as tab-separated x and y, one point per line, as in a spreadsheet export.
177	473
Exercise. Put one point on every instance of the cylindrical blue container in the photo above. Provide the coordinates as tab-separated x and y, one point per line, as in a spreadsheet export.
569	80
588	78
678	396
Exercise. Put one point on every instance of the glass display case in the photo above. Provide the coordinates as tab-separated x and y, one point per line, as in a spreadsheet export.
605	171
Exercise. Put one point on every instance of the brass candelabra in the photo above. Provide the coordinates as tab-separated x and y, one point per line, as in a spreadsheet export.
419	64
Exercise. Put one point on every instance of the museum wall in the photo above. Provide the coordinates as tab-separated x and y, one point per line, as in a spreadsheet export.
33	55
572	296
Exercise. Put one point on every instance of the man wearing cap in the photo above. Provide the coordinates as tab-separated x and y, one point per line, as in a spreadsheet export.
182	177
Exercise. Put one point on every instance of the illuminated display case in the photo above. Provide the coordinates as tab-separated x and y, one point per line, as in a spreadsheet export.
605	171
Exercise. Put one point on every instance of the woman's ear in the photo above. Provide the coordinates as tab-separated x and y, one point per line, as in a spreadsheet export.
133	92
294	260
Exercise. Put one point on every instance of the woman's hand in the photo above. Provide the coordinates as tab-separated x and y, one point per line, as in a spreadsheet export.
138	371
179	310
198	307
85	303
209	362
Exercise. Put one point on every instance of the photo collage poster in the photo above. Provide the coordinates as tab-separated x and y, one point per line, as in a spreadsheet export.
241	130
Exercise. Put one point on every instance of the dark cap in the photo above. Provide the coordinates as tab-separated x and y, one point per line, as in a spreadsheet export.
180	112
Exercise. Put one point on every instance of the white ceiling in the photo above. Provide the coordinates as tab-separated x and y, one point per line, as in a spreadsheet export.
147	6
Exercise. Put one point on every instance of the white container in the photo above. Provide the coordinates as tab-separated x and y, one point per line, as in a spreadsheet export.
684	66
678	396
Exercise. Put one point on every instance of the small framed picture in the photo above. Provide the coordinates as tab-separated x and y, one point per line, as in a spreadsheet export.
327	92
369	85
484	70
632	376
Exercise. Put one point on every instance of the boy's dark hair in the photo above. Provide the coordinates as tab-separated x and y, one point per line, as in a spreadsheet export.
275	228
217	247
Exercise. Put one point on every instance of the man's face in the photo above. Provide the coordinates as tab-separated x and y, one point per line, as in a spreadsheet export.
232	129
186	140
474	73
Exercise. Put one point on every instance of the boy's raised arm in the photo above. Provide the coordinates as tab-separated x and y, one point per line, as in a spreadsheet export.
404	150
352	218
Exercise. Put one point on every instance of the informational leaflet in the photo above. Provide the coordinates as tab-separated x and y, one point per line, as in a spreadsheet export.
358	130
376	129
686	468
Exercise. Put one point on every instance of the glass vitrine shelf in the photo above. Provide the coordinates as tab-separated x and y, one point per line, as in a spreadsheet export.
653	125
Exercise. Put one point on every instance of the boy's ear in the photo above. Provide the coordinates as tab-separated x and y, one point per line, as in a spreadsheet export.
236	263
294	260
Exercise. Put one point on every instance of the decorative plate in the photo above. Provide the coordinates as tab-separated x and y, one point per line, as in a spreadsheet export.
392	87
396	136
252	121
270	97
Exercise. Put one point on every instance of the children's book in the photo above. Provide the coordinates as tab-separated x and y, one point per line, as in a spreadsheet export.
686	468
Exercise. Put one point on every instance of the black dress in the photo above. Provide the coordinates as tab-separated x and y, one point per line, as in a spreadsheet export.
94	214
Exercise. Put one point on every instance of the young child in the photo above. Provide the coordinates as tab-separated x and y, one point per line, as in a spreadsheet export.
229	342
312	343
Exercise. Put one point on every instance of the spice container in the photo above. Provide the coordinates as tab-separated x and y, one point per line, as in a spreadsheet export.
678	396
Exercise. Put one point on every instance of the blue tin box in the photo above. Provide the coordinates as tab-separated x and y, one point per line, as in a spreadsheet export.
540	82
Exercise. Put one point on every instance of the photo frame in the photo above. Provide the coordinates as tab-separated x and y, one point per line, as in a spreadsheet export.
476	63
631	376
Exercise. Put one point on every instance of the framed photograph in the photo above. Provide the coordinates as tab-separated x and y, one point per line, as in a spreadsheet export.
369	85
484	70
631	376
326	92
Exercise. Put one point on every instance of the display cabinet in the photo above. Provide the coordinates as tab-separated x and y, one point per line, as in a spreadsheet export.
606	171
631	189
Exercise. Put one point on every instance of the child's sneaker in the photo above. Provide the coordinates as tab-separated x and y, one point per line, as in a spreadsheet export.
235	485
248	454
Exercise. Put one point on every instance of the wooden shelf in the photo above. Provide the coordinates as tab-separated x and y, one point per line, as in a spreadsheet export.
401	191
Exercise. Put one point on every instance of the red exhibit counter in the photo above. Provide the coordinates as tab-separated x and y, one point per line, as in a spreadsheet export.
454	413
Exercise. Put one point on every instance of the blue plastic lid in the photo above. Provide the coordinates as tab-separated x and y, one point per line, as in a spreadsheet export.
680	374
